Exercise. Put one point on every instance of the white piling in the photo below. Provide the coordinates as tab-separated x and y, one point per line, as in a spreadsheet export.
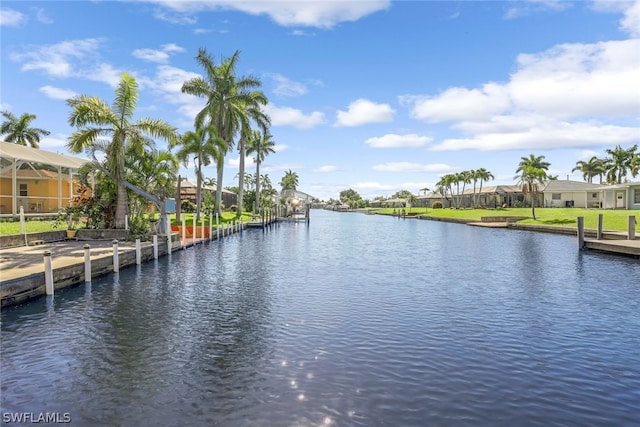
23	230
217	226
632	228
580	232
138	252
155	246
169	246
87	263
48	273
202	230
210	227
126	222
116	261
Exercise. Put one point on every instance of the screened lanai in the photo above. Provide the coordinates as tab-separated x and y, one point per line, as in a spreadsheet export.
40	181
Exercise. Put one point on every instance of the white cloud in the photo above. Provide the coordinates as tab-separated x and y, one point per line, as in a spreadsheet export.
151	55
412	167
631	20
553	134
363	111
326	169
371	185
398	141
524	8
285	116
11	18
57	93
172	47
52	143
286	87
459	103
321	14
56	59
278	148
566	96
41	16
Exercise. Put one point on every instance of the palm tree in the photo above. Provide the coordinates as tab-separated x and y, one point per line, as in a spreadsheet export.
445	185
619	163
17	130
262	145
230	102
289	181
95	119
205	146
256	114
532	174
465	178
482	175
593	167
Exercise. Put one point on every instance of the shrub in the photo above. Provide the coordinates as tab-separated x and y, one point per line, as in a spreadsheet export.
436	205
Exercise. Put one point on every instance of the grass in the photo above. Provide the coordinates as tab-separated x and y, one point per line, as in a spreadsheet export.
614	220
37	226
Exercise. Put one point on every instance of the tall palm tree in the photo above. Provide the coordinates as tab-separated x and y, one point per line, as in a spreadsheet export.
17	129
463	177
289	181
229	103
95	119
532	172
591	168
262	145
619	163
204	145
255	113
481	175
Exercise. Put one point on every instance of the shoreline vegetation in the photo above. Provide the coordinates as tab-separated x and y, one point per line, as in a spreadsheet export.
613	220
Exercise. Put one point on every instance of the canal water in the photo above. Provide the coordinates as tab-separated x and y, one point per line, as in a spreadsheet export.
354	320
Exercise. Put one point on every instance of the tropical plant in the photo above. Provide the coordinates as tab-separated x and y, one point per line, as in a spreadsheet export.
17	129
619	162
95	119
289	181
260	144
532	172
590	169
204	145
481	175
230	103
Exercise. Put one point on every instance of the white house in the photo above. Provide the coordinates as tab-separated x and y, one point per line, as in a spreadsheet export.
621	196
565	193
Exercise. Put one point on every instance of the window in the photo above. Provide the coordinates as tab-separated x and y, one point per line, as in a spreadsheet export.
636	196
556	196
594	195
23	190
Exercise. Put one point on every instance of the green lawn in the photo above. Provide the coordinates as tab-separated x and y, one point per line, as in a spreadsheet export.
615	220
36	226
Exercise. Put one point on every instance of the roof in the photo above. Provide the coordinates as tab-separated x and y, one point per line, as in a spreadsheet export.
557	185
20	152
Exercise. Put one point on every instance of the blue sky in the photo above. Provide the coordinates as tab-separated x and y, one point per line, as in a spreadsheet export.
376	96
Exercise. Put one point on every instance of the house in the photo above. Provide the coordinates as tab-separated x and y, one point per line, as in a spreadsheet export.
188	192
41	182
566	193
620	196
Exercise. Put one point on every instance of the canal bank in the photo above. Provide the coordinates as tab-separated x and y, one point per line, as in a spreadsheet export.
23	268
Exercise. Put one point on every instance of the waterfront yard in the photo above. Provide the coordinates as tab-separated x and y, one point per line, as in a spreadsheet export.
614	220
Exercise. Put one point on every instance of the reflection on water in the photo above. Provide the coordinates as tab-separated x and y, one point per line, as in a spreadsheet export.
353	320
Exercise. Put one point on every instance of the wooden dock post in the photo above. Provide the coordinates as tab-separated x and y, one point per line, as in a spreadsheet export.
600	218
632	228
580	232
116	261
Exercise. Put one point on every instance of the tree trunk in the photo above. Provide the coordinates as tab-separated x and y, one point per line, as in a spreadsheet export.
220	165
122	207
241	177
178	200
198	190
